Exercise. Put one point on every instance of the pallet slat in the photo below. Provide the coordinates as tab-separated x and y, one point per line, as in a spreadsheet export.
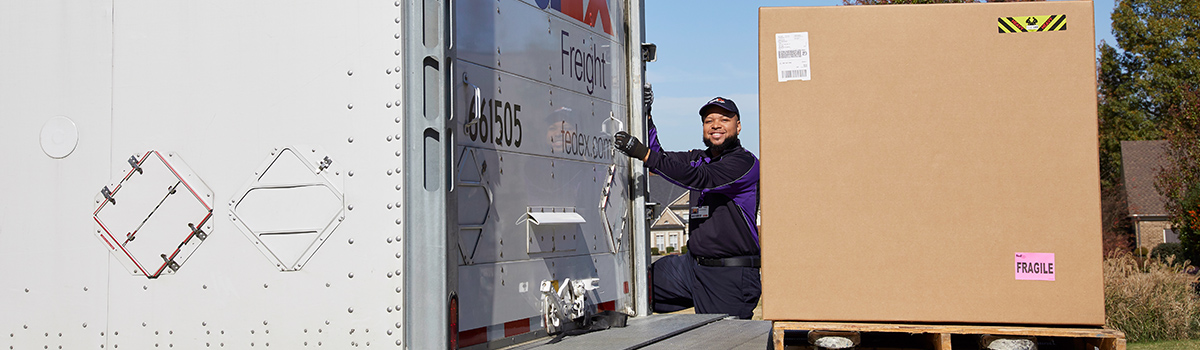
1102	338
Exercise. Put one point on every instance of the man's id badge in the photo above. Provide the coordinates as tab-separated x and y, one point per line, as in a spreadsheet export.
700	212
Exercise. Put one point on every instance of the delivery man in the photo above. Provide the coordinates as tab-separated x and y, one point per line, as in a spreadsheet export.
719	274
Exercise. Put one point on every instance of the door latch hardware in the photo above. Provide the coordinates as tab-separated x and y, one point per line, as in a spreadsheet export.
171	264
133	162
324	164
108	195
196	231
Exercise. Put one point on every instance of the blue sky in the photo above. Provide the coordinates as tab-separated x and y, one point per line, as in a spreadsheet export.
709	48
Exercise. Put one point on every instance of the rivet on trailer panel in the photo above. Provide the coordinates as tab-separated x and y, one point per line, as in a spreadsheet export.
349	73
397	36
389	71
397	52
397	19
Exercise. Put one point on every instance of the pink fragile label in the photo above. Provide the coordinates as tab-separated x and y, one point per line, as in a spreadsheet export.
1035	266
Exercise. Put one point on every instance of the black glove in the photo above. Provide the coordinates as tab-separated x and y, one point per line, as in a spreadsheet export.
648	92
630	145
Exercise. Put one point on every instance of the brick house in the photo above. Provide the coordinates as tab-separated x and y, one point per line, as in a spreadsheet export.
1141	162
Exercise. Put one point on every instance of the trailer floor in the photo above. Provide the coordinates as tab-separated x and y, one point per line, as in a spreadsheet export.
668	331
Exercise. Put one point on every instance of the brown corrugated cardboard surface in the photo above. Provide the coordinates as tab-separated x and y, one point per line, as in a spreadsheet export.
926	150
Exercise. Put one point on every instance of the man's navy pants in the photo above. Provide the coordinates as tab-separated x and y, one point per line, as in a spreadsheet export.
680	283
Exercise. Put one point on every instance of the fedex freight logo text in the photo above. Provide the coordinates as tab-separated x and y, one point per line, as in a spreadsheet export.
587	65
596	9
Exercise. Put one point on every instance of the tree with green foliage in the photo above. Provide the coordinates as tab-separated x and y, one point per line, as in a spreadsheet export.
1139	82
1179	181
1143	89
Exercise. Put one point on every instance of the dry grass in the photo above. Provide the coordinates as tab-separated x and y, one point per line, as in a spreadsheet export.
1151	301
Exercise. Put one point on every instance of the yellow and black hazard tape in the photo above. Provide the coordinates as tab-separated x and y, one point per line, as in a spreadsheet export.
1051	23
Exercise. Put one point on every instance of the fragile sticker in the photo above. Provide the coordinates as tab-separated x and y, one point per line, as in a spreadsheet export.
1032	24
1034	266
791	53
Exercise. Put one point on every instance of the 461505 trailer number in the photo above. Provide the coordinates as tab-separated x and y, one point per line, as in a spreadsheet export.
500	124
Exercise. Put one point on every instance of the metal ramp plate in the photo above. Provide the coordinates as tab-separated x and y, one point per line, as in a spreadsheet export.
721	335
638	332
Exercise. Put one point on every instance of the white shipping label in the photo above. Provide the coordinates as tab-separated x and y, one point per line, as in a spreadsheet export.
791	52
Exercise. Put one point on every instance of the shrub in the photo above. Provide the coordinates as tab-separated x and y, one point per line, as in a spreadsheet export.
1141	252
683	250
1165	250
670	250
1150	303
654	251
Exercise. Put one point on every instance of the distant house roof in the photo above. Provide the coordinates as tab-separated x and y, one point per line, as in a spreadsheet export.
1141	162
668	220
683	202
663	192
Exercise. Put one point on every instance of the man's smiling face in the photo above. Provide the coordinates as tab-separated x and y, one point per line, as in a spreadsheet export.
720	126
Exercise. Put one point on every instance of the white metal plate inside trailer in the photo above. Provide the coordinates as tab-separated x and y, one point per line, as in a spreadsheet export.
220	84
57	62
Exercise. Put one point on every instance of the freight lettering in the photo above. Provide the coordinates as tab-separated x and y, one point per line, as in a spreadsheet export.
500	124
584	65
1035	268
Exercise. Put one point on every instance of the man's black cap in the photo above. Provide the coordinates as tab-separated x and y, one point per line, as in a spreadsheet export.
722	103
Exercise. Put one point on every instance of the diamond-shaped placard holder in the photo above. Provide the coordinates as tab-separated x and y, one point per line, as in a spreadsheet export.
472	182
154	217
291	205
615	231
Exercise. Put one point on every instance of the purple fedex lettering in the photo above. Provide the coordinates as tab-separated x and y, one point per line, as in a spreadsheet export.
595	10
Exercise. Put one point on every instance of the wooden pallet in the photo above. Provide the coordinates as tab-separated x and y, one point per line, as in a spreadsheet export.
938	337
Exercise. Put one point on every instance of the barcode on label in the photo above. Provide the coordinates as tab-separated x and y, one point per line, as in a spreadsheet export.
793	74
793	53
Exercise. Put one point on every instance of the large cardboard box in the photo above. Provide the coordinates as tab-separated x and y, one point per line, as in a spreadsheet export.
930	163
